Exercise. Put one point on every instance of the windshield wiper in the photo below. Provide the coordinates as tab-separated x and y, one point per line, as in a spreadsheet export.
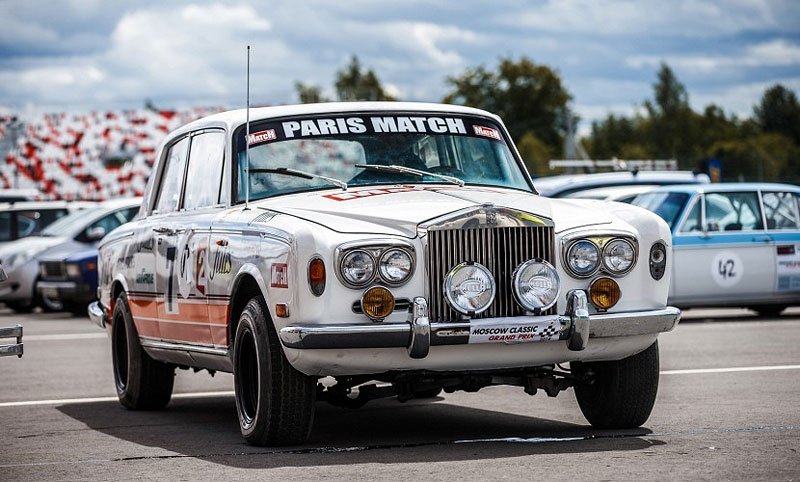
305	175
409	170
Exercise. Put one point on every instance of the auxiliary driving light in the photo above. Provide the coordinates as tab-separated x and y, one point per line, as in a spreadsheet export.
469	288
377	303
536	285
604	293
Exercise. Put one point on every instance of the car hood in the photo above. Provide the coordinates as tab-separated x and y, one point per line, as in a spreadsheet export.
30	244
398	210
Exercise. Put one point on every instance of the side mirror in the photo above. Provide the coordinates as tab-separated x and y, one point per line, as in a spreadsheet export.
96	233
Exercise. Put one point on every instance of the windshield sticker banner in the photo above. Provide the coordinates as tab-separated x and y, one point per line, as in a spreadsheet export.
400	124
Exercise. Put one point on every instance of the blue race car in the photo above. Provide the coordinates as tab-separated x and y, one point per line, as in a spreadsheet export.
69	282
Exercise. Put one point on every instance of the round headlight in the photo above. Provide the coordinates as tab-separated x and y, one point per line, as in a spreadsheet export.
536	285
583	258
395	266
73	270
619	256
358	267
469	288
377	303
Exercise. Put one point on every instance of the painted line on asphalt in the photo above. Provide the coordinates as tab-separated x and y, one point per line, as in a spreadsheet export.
64	401
64	336
70	401
697	371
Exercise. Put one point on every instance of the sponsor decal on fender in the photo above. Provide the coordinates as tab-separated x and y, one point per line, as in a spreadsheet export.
280	275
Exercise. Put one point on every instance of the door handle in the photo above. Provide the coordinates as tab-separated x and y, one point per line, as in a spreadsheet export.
163	230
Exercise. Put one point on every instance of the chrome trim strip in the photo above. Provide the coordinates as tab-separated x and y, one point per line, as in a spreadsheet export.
56	285
165	345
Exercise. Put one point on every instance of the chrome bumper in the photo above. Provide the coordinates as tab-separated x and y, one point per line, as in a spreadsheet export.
15	348
97	314
418	334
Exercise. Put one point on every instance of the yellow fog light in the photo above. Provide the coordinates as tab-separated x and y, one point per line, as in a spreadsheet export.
377	303
604	293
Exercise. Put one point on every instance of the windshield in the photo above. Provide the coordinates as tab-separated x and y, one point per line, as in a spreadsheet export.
668	205
415	149
70	224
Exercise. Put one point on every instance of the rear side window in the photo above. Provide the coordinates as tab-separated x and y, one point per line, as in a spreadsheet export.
205	170
172	177
781	210
733	211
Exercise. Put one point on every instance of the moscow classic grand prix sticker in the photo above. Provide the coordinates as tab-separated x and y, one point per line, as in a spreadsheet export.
727	269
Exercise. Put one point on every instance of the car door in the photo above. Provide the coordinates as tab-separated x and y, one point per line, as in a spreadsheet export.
782	214
720	249
183	254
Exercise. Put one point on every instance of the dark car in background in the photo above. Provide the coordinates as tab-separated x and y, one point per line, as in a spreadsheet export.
70	281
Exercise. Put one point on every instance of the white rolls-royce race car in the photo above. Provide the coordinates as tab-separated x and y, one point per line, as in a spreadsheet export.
394	249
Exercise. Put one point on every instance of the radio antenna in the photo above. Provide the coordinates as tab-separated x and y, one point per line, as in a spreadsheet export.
247	140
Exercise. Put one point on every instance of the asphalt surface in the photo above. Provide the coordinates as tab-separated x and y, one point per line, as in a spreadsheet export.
728	408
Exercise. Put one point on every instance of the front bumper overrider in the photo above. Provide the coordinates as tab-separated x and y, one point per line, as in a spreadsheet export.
576	326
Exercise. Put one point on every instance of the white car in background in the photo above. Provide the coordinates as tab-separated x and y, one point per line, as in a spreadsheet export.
74	232
623	194
735	244
567	184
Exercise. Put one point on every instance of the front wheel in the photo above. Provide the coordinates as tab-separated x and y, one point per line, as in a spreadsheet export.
618	394
142	383
275	402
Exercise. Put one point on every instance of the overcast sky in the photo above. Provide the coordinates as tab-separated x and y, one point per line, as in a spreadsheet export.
81	55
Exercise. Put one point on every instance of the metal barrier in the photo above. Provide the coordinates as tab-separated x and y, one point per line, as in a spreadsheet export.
15	348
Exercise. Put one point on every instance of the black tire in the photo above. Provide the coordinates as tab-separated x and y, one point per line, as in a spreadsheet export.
768	310
275	402
21	306
77	309
618	394
429	393
142	383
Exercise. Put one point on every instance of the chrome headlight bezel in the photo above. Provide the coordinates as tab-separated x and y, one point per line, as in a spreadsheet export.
447	287
539	265
378	249
574	244
350	257
608	246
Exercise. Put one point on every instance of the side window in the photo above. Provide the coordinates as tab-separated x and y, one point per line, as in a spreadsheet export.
128	214
171	177
693	222
205	170
781	210
733	211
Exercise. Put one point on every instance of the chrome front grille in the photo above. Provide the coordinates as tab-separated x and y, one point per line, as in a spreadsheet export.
53	270
501	249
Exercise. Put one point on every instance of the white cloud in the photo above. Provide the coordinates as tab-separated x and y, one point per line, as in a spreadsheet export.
775	53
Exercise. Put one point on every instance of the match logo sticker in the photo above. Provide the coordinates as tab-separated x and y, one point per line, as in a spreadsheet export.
487	132
280	275
261	136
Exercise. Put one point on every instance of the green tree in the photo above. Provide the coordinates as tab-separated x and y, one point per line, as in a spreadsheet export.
672	123
529	98
779	112
354	83
535	154
761	157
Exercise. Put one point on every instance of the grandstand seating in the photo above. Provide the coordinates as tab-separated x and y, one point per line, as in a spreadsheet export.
64	155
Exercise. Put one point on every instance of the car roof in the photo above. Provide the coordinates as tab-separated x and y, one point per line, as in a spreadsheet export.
234	118
611	192
567	183
121	203
44	205
729	187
